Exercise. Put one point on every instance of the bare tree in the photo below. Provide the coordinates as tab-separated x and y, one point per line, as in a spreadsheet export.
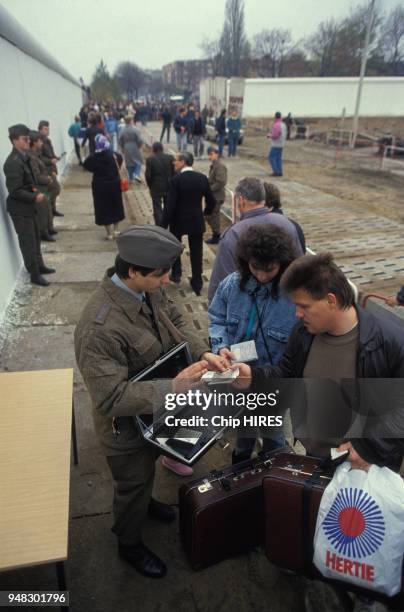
392	40
273	48
130	78
211	50
322	47
234	47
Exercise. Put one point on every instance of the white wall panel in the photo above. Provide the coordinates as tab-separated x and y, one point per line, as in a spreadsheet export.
29	92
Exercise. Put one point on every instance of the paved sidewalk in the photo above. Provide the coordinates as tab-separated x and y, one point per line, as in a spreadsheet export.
39	334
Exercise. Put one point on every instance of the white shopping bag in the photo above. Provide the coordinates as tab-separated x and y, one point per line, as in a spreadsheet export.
359	534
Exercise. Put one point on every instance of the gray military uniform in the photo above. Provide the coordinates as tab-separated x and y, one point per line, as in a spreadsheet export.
116	337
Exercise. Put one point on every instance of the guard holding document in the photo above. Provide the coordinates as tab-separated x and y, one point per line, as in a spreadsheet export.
124	328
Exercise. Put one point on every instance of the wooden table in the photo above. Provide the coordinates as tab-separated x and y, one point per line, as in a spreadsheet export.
35	440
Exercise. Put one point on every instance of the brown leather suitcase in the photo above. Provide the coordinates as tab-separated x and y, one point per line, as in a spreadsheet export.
292	495
222	514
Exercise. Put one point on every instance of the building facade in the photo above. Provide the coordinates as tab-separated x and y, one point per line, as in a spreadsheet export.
187	74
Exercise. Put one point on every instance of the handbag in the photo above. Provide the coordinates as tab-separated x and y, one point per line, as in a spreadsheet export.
124	183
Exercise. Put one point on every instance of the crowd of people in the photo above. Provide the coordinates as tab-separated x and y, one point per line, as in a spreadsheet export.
298	310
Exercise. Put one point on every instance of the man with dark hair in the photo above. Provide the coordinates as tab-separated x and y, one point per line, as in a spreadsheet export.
183	214
50	160
250	198
23	197
126	326
159	171
337	340
217	182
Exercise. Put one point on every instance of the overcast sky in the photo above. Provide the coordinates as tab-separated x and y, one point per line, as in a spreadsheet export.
78	33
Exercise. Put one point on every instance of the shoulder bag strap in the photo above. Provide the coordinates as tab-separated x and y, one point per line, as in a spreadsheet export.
175	333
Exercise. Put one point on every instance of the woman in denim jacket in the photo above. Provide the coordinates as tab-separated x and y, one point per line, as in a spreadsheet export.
247	306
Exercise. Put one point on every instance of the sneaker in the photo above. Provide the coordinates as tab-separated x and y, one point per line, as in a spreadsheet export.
109	237
175	466
138	179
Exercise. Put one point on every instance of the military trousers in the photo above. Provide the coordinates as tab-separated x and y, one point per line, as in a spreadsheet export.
29	240
45	217
214	218
133	474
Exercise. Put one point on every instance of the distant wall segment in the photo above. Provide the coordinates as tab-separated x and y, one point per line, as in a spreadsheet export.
34	87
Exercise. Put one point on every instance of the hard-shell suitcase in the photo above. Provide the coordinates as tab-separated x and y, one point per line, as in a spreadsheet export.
292	495
222	514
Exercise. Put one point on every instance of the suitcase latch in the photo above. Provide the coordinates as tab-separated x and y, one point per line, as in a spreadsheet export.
205	486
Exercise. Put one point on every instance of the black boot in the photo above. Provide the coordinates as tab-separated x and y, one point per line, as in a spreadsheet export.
37	279
53	232
45	270
162	512
196	288
214	239
48	238
56	213
143	560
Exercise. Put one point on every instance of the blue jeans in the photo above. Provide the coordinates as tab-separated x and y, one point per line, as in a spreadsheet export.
220	143
182	141
275	159
233	141
134	170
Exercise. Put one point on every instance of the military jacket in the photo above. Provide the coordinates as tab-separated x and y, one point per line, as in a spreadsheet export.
47	154
39	169
218	180
115	339
20	182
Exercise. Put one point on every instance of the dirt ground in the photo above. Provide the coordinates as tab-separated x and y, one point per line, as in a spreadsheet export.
355	179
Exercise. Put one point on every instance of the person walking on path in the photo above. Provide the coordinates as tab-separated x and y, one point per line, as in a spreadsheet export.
278	137
167	121
217	182
106	186
233	132
159	171
131	144
183	214
74	132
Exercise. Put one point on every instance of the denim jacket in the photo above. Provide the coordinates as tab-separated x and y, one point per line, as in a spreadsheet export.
229	316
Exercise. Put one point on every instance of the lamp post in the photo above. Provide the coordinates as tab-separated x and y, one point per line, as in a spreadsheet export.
365	53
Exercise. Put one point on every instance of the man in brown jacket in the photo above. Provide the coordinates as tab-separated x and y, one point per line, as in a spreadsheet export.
217	181
120	333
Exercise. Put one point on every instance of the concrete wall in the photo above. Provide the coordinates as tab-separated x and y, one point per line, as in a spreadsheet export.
323	97
30	91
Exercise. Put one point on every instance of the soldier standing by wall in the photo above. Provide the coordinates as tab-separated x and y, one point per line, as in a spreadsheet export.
50	160
23	196
45	185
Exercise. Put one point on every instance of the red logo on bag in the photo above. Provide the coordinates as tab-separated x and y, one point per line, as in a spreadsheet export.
354	524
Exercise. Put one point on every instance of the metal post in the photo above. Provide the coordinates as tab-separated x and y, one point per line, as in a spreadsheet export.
362	74
74	437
